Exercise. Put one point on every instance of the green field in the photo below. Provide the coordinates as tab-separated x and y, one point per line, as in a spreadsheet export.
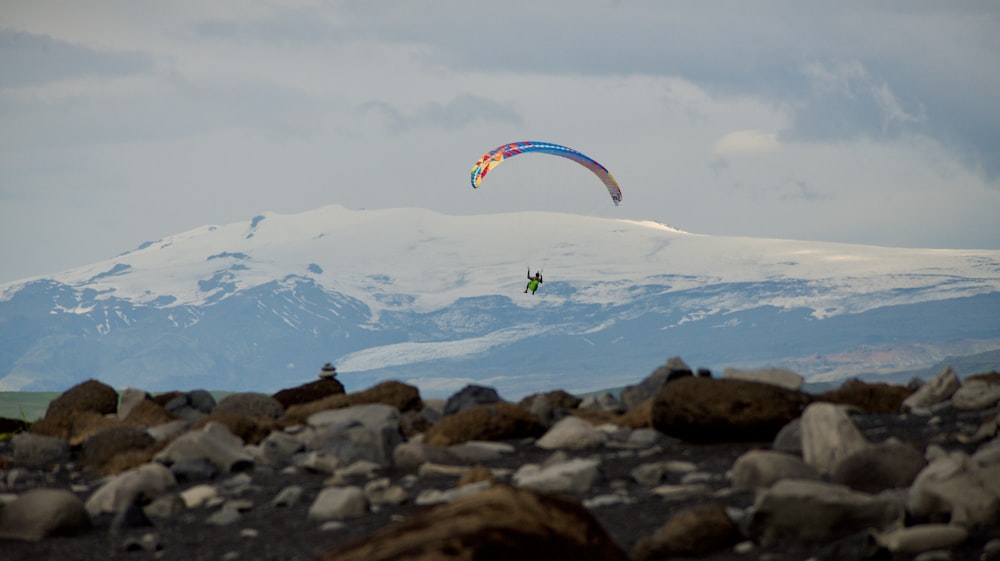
28	406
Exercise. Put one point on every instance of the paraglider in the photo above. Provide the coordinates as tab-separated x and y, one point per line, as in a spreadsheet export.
501	153
494	157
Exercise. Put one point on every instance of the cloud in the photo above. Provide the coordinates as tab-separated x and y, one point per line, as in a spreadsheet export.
746	142
455	114
847	101
30	59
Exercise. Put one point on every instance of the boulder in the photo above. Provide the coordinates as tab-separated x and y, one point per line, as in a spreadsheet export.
499	421
763	468
130	397
74	425
101	448
924	537
497	523
650	386
976	394
312	391
214	442
550	407
470	396
572	433
693	532
148	413
705	410
251	429
828	436
868	397
142	484
797	511
339	503
574	476
90	395
250	404
939	389
958	490
776	376
41	513
37	451
403	397
888	465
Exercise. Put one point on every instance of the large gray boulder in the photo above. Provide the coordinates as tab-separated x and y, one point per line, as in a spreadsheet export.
41	513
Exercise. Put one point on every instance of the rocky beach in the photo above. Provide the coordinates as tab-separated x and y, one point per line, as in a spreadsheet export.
680	465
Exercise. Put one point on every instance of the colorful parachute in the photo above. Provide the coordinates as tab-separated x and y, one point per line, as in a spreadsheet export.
492	158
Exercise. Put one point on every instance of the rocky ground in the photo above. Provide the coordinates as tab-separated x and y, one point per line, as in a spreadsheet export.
679	467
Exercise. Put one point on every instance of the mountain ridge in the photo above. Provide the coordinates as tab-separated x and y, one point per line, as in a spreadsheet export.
437	299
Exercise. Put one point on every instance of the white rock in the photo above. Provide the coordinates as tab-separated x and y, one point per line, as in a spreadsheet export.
815	511
975	395
957	488
320	462
681	492
288	496
940	388
372	415
198	495
925	537
573	476
828	435
148	480
763	468
572	433
213	442
435	496
382	491
339	503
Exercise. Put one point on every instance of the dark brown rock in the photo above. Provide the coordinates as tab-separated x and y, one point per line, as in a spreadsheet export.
706	410
500	523
988	377
497	421
640	416
249	404
91	395
563	399
596	416
100	448
74	426
868	397
306	393
149	413
250	428
694	532
403	397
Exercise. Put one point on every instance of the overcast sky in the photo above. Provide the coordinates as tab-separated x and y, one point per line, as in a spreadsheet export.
854	121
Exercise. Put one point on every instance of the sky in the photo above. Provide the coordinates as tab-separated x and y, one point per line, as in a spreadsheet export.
864	122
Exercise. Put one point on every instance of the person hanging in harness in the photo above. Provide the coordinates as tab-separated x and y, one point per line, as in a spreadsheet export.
533	281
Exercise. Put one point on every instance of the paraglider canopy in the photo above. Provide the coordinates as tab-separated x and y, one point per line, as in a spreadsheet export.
494	157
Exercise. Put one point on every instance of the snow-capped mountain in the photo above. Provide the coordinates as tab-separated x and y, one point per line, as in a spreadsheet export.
438	301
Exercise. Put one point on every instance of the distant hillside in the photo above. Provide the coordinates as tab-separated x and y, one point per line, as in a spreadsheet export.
966	365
